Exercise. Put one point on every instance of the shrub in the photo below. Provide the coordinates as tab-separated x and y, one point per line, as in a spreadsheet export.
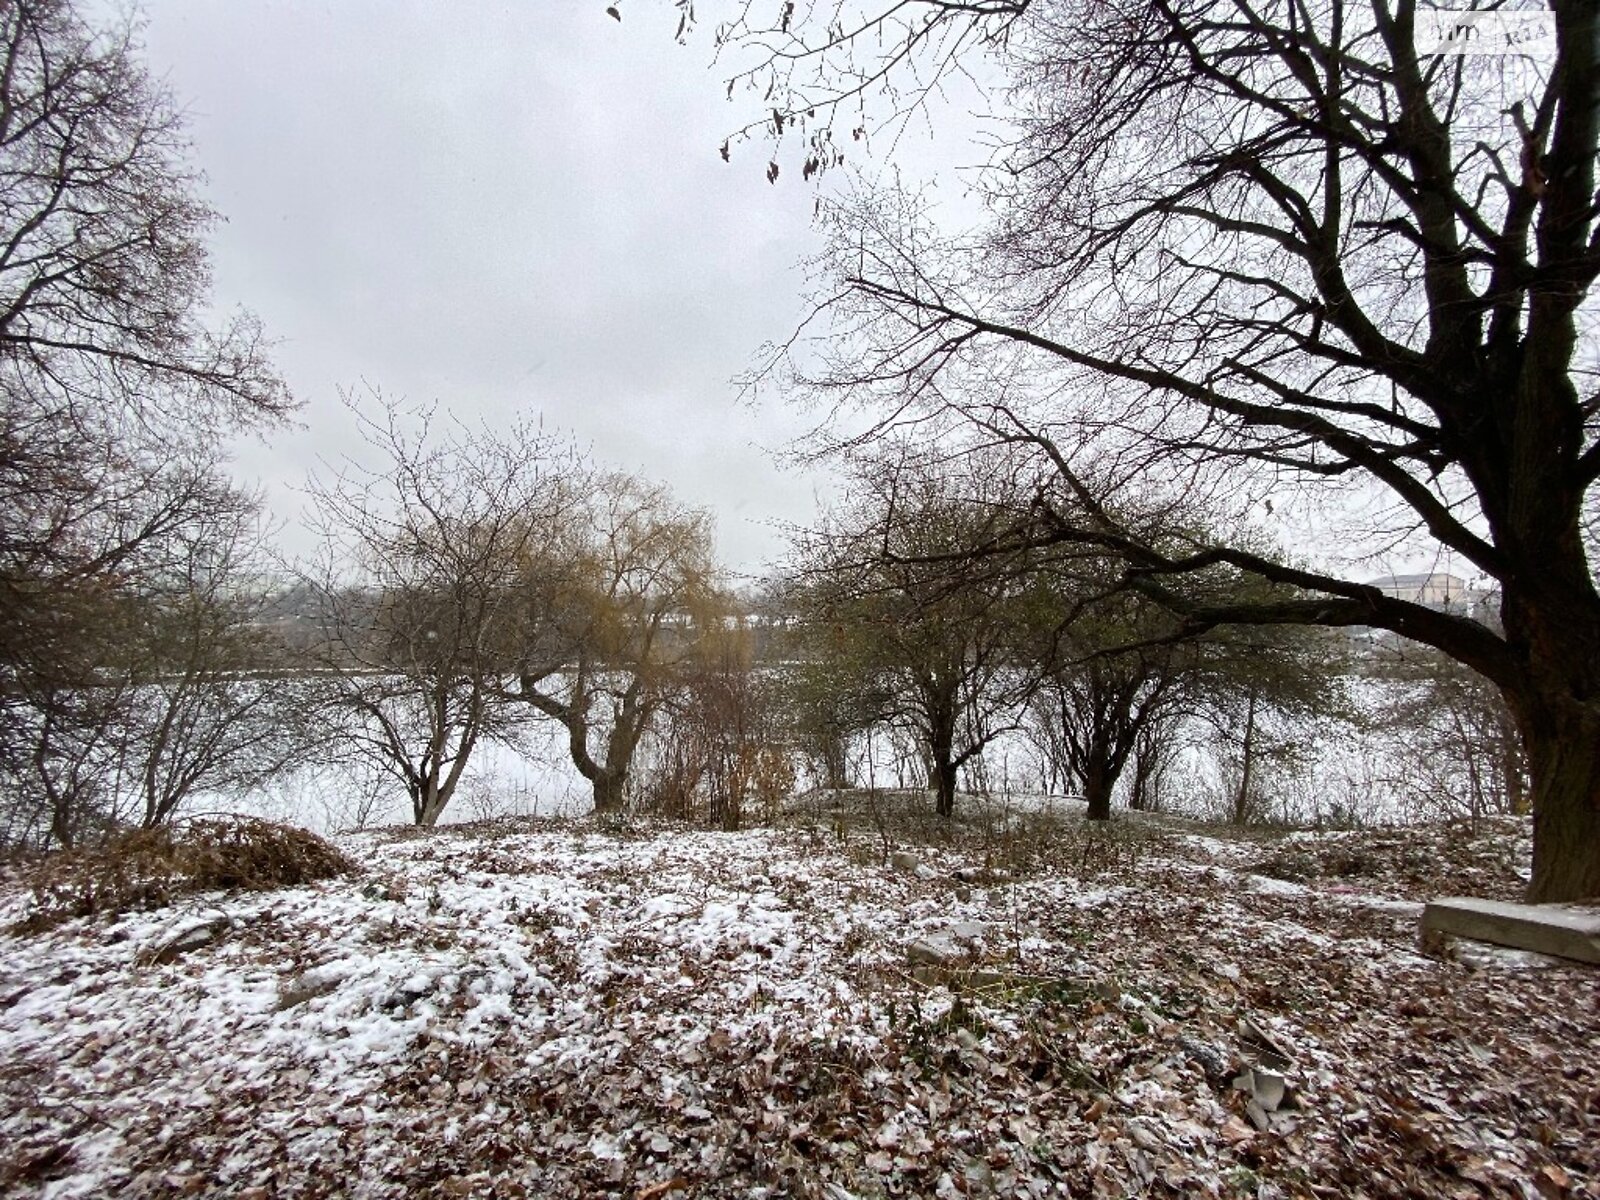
149	868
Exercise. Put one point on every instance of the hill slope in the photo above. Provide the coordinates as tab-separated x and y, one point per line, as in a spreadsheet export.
557	1010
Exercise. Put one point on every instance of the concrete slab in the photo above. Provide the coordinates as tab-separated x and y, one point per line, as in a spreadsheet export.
1566	932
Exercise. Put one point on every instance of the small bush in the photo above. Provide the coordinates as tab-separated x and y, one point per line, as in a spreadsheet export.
149	868
1289	867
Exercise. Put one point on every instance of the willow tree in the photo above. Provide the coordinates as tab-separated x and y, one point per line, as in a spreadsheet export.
1257	247
609	609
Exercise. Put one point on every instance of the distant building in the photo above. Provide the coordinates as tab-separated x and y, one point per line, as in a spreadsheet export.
1436	589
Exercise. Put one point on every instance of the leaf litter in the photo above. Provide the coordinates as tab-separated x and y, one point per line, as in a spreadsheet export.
550	1009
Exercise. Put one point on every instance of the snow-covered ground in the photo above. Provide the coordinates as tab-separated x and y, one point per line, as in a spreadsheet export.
554	1009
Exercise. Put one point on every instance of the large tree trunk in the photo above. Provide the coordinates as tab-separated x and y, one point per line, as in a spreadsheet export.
432	810
1099	742
1103	766
1097	791
428	797
944	782
430	794
1549	605
608	791
1099	778
1562	740
1146	764
609	779
1566	821
835	766
939	707
627	728
432	785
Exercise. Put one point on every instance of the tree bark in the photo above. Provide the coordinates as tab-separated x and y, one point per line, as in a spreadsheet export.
1563	747
608	791
1145	766
432	810
1566	823
940	711
1552	623
1097	784
1241	799
1139	792
945	784
429	796
836	771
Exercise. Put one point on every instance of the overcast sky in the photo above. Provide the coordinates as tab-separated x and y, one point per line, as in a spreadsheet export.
504	208
514	209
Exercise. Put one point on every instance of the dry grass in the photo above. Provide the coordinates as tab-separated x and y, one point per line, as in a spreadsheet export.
1018	841
149	868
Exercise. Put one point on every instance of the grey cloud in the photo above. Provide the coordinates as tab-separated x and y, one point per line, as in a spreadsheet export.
504	208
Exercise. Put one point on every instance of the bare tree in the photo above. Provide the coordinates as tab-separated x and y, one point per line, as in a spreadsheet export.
1092	706
213	708
612	603
154	693
103	266
111	385
418	587
1156	748
1450	736
1265	691
113	389
937	652
103	273
831	701
723	738
62	753
1248	247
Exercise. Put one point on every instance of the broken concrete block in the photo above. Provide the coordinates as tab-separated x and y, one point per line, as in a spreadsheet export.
1543	928
1266	1089
182	937
946	946
969	932
307	986
1257	1115
936	950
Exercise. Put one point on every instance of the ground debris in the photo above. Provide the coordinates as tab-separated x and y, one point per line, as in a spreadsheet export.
560	1010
